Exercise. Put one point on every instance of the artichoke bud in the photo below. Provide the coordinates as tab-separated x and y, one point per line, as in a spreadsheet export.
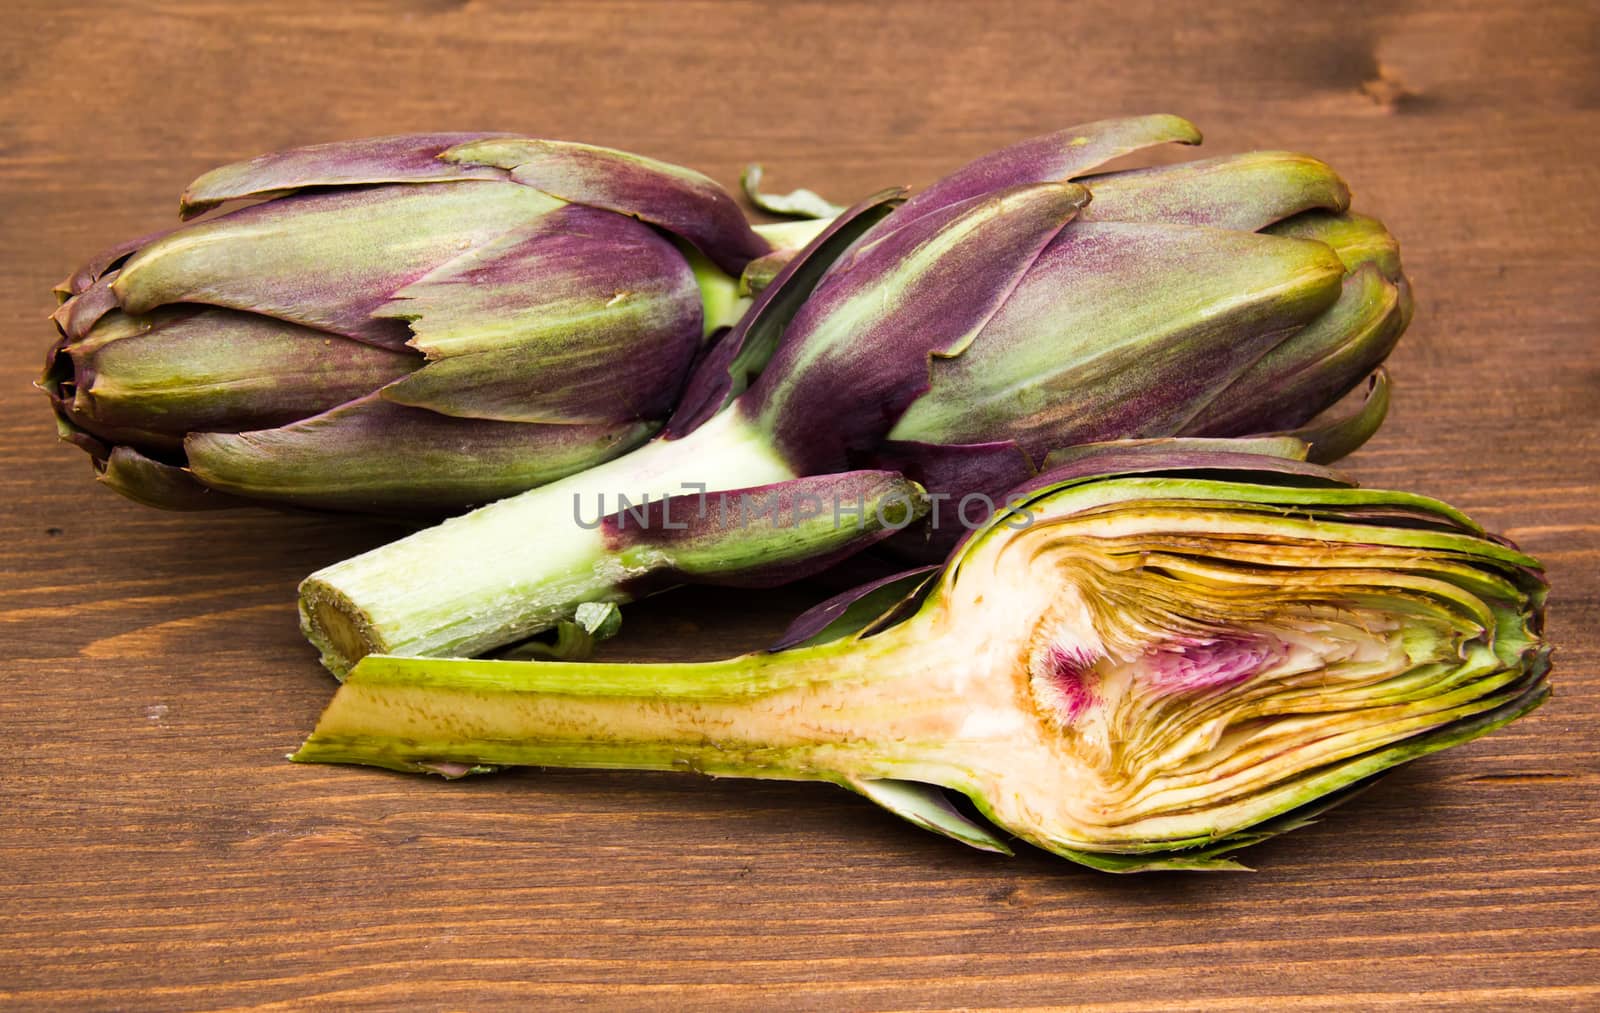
1218	297
1221	296
1140	670
443	286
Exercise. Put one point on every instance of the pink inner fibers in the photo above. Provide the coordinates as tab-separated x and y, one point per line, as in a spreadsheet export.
1067	668
1209	663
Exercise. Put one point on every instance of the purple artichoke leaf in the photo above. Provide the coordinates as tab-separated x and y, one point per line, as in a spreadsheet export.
859	350
69	431
874	605
404	158
99	265
966	483
58	384
1058	157
327	260
728	369
681	201
580	317
77	316
159	484
957	470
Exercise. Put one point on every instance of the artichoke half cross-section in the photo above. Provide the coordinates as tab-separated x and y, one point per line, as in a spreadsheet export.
1161	653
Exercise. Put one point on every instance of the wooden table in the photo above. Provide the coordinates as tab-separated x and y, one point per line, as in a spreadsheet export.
158	852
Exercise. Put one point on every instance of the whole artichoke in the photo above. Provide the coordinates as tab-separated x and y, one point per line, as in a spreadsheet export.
1006	311
404	325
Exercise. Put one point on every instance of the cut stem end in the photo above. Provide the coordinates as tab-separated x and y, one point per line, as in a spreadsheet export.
336	627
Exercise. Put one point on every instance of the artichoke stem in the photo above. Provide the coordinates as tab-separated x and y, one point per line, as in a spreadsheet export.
822	713
721	303
339	628
503	572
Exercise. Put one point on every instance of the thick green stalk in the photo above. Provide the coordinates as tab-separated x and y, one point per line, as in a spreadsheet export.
823	713
501	573
721	302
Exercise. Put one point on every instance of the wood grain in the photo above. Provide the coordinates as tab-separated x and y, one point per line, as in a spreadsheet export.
156	851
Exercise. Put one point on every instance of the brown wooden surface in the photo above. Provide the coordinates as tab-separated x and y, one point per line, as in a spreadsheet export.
155	849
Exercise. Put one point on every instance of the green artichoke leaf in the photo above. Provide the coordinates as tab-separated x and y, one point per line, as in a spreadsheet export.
575	639
326	260
1123	330
794	204
928	807
1243	192
859	611
1339	433
1358	239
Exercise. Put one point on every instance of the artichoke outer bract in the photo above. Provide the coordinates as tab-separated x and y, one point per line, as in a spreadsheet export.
365	338
1147	669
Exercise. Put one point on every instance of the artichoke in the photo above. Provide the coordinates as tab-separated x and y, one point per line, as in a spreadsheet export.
955	339
407	325
1161	653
